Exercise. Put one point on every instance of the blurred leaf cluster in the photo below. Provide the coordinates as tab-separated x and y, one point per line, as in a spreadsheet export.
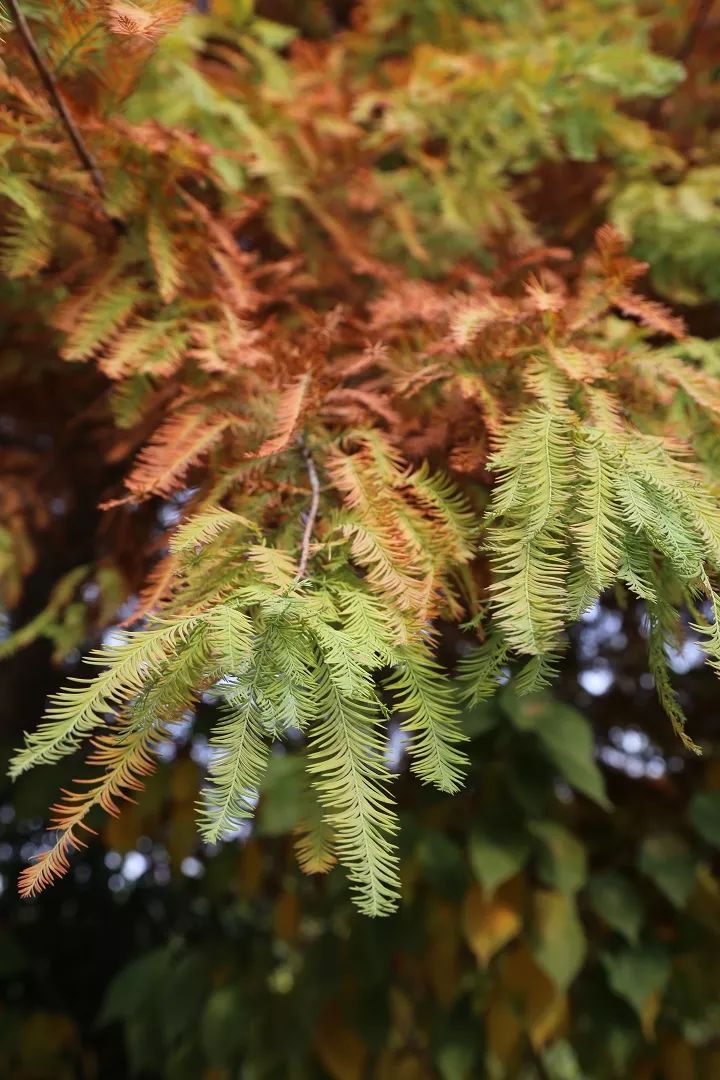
559	920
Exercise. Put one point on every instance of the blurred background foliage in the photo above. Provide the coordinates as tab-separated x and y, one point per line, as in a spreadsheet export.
560	917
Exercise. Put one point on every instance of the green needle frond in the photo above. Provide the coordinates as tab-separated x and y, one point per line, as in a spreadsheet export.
428	705
348	770
481	670
77	710
598	530
529	592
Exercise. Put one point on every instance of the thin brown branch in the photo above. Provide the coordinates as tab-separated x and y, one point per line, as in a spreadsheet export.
312	512
696	28
49	82
90	202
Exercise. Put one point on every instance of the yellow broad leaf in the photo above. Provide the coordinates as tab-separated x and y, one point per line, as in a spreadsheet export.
709	1064
559	939
286	917
404	1023
182	838
504	1033
250	867
491	922
544	1010
402	1065
677	1059
121	833
44	1035
525	1004
443	952
340	1049
704	903
649	1014
184	781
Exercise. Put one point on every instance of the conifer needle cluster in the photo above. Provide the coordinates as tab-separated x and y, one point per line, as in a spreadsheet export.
329	335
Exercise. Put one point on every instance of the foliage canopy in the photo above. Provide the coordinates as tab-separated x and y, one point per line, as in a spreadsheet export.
346	316
254	249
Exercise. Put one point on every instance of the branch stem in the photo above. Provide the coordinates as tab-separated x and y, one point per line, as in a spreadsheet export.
312	512
696	28
50	83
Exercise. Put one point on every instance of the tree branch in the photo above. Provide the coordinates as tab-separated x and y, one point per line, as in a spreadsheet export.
697	26
49	82
312	512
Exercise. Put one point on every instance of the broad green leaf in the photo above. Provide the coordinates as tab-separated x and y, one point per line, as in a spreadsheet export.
457	1058
567	739
560	1062
669	862
283	795
442	862
616	901
224	1025
562	862
134	985
184	1062
497	853
559	939
638	972
182	995
704	813
479	719
456	1045
13	957
530	778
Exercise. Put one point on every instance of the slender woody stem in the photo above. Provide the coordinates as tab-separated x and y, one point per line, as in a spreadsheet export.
695	29
50	83
312	512
697	26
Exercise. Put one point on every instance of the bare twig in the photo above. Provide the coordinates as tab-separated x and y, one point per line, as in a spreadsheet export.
49	82
696	27
312	512
88	201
